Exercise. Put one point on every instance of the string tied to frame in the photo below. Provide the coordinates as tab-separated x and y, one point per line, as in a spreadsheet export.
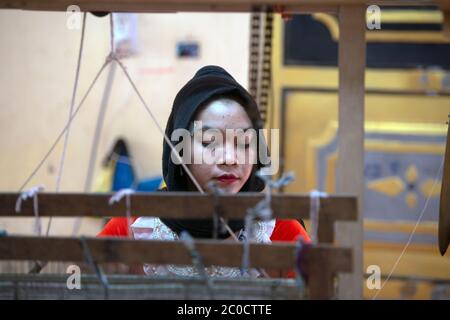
314	209
197	260
262	211
32	193
117	197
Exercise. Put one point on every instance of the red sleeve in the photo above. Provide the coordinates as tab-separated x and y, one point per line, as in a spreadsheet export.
289	230
116	227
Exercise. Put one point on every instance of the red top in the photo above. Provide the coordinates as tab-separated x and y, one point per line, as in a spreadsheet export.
289	230
285	231
116	227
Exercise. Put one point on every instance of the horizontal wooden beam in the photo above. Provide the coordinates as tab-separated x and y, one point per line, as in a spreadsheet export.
190	205
321	263
198	5
214	252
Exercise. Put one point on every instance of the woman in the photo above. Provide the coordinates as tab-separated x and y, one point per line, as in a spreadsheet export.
211	108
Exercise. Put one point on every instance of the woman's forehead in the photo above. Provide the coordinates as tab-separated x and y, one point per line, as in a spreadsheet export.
224	114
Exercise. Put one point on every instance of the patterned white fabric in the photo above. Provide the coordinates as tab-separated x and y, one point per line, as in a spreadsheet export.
151	228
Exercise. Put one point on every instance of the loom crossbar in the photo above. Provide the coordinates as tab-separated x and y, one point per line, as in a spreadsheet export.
184	205
322	263
202	5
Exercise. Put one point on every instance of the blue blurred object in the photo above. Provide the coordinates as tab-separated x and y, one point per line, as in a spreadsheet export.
123	174
151	184
124	177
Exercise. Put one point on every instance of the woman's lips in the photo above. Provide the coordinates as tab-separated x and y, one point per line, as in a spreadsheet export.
227	178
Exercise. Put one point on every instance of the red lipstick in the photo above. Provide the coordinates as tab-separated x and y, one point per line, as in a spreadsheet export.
227	178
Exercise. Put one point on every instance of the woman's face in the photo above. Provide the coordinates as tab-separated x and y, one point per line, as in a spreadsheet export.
225	142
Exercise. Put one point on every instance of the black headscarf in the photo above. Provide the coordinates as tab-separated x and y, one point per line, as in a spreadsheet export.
209	83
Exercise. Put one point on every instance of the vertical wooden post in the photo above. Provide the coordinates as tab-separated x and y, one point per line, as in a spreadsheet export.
444	206
350	164
446	24
445	7
321	285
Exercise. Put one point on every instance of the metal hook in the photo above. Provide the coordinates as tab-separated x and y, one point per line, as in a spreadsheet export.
216	192
262	210
94	266
301	277
197	260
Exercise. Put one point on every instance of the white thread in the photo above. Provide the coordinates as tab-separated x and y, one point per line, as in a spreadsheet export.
111	25
64	129
314	209
166	138
101	115
112	56
117	197
72	104
98	128
413	231
32	193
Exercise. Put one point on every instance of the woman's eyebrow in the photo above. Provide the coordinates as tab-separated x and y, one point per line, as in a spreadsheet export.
204	128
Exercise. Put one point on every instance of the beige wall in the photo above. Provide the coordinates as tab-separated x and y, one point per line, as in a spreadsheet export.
38	59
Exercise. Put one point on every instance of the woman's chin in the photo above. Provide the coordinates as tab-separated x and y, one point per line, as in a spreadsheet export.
229	188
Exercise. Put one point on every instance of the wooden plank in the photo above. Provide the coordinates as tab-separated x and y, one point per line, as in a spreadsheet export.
326	231
175	205
445	7
350	164
221	253
444	207
446	23
321	285
197	5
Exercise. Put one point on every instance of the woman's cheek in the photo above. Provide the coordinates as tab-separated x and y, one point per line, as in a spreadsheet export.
245	169
248	166
252	156
201	173
196	154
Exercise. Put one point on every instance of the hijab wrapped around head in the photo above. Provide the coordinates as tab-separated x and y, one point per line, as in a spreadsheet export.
208	84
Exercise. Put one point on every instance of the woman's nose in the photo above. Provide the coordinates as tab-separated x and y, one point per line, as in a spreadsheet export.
229	155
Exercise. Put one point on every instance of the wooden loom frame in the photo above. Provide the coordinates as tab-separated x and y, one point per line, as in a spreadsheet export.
333	260
179	204
351	84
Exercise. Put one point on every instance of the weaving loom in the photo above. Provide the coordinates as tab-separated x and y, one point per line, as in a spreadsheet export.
318	266
213	252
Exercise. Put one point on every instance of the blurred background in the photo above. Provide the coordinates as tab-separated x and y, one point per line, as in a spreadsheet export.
288	63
